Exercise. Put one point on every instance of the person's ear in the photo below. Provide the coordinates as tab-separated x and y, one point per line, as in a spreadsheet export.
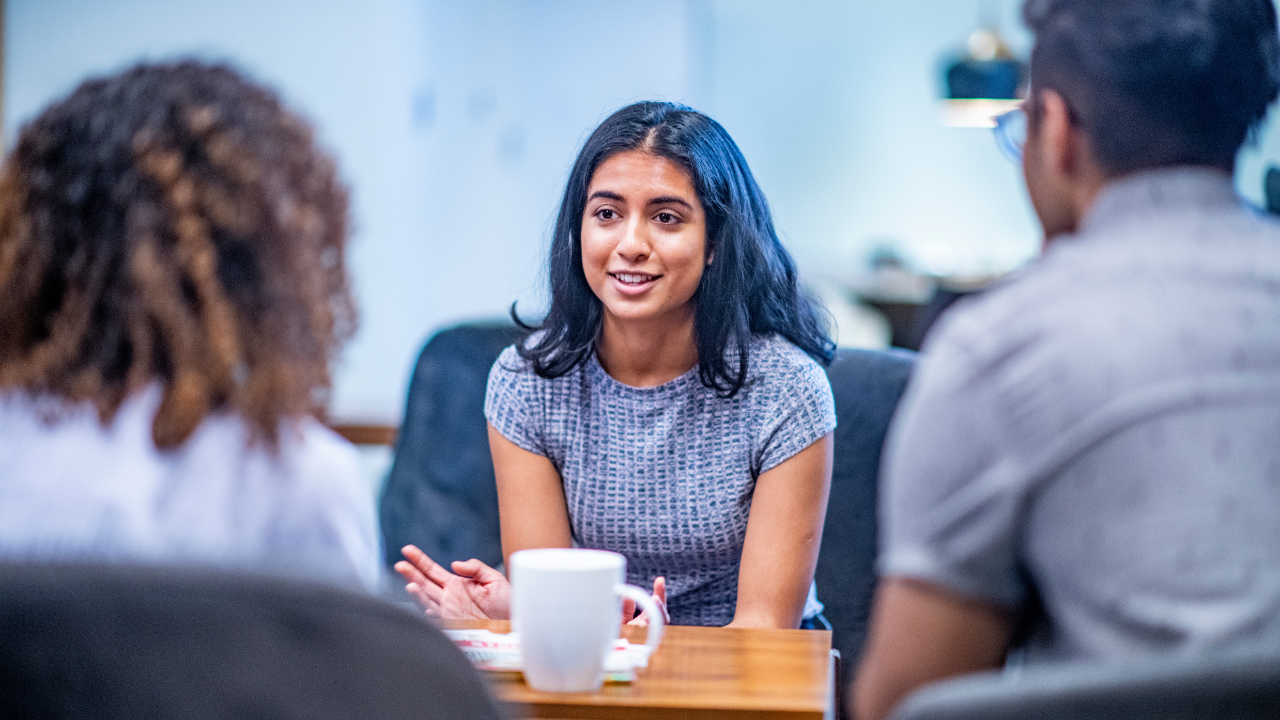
1059	141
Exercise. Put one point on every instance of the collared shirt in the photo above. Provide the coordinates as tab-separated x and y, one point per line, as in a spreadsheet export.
1103	432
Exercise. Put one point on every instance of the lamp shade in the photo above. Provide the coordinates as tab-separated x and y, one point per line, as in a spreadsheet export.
992	79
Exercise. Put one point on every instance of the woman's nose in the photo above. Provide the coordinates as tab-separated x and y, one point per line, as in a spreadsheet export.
634	245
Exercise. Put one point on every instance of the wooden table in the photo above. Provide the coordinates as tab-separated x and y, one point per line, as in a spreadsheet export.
697	673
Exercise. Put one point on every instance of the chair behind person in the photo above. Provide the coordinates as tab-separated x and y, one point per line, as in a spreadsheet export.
117	642
867	385
441	494
1223	689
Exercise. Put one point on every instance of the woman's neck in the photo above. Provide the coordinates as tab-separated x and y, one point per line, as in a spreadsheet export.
647	353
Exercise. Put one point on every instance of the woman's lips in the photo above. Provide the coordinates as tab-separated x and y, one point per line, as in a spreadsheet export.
633	282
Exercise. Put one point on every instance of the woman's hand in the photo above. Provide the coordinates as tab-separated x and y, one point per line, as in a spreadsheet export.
659	597
472	591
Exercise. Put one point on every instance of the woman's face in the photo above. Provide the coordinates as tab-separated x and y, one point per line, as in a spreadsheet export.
644	237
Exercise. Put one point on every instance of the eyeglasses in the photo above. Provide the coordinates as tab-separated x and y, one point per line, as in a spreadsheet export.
1011	134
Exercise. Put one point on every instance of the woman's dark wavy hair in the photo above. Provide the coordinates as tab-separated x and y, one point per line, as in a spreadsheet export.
750	288
173	224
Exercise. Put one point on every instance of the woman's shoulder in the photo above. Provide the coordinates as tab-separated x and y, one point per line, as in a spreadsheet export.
509	361
779	373
513	371
514	386
773	357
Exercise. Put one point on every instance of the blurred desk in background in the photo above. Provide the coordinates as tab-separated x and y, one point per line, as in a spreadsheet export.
698	673
367	434
911	303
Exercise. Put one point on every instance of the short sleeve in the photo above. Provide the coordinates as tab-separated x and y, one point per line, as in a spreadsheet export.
951	495
510	399
797	408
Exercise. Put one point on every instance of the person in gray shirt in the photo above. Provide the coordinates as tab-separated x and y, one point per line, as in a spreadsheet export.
1090	450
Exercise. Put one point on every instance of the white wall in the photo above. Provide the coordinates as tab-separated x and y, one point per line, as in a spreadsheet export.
455	122
835	104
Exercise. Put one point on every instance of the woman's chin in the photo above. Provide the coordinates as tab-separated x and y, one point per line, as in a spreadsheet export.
644	313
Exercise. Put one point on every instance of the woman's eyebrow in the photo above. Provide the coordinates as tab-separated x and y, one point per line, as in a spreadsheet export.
606	194
670	200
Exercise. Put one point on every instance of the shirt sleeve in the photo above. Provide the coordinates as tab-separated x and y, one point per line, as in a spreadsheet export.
509	402
951	493
799	409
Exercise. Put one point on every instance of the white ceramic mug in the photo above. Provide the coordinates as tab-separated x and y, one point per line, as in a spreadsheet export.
566	607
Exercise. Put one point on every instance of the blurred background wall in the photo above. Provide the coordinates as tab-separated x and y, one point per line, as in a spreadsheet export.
455	123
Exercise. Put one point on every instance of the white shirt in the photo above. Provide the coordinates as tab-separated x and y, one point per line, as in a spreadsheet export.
74	490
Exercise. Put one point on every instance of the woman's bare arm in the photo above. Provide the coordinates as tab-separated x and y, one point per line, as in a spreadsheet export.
783	533
531	505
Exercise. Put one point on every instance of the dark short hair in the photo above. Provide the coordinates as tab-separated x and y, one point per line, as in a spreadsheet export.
750	288
173	225
1156	83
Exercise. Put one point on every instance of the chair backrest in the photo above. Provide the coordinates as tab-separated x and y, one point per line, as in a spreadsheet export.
115	642
867	385
441	494
1237	688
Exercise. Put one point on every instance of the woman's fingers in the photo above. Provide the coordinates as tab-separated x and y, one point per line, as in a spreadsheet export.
425	590
429	590
425	565
409	572
414	555
430	606
430	570
659	596
474	569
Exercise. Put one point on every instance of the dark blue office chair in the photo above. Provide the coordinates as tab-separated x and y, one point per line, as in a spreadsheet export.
1235	688
116	643
867	385
441	494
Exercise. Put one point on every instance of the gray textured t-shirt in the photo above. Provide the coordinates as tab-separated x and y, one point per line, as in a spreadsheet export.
664	475
1105	430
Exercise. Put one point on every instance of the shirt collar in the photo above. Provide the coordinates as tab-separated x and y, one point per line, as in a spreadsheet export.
1158	191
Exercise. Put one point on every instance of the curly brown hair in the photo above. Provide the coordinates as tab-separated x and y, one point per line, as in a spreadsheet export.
173	224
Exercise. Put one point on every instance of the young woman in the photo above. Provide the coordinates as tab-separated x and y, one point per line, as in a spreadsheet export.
671	406
173	284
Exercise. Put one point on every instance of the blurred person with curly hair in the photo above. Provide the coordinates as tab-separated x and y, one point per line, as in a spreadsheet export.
171	263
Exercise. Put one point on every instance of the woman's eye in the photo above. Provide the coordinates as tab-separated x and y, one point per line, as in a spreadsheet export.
666	218
606	214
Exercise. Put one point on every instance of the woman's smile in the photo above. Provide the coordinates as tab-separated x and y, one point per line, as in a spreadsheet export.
633	282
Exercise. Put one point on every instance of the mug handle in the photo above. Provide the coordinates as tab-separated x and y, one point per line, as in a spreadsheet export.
656	621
